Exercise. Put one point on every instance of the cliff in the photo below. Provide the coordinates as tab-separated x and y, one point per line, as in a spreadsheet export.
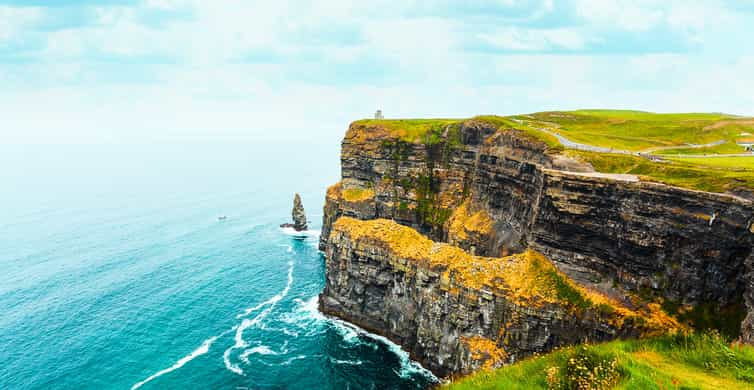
456	312
489	189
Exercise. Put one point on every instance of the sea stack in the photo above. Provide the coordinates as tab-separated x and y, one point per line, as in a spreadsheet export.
299	216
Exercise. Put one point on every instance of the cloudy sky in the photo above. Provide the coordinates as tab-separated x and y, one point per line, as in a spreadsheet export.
119	70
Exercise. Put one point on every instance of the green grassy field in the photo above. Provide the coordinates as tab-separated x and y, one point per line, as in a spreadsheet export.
705	361
729	163
638	130
726	148
714	174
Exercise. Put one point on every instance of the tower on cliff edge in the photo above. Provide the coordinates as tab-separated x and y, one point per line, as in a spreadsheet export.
378	115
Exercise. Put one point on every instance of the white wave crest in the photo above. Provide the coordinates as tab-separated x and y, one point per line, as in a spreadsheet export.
204	348
351	333
247	323
305	233
263	350
348	362
289	361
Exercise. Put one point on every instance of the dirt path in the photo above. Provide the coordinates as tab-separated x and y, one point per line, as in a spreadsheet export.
646	153
579	146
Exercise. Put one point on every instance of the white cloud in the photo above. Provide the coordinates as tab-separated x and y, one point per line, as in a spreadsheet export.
15	19
167	4
513	38
632	15
205	91
697	17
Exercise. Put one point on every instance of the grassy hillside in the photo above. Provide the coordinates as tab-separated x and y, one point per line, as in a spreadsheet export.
740	164
716	174
639	131
725	148
705	361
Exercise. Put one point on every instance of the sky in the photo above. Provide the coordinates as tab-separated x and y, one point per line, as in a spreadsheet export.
129	70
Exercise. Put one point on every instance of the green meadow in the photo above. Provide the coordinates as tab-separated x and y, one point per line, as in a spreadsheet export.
640	131
699	361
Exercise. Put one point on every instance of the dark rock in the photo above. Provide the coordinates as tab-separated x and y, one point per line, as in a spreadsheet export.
747	328
298	214
433	313
614	233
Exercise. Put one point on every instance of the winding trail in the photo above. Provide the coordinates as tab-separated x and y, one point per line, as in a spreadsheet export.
579	146
646	153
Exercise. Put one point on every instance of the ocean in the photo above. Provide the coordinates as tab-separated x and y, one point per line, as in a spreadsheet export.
116	273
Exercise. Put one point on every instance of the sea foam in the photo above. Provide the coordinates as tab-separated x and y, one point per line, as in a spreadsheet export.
201	350
250	322
351	333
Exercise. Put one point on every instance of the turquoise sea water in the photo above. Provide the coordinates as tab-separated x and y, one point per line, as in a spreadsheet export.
116	273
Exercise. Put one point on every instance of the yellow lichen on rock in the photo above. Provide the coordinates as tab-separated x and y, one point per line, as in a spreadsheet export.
334	192
362	132
463	221
407	130
525	279
486	350
353	194
357	194
407	243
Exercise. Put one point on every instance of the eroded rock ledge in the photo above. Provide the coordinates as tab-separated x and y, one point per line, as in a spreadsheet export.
456	312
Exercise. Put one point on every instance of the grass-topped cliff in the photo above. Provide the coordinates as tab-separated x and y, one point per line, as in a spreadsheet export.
692	150
471	311
700	361
477	243
527	279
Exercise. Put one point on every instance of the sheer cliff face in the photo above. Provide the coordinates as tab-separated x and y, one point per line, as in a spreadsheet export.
456	312
421	184
496	192
687	246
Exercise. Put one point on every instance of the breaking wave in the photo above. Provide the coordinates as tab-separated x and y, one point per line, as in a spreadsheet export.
354	334
250	322
201	350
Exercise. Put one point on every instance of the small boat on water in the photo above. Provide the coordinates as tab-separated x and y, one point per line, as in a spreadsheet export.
222	218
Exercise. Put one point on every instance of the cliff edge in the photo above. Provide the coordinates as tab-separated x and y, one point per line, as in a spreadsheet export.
475	207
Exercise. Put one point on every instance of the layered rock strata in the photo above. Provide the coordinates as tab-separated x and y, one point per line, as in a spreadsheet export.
495	191
456	312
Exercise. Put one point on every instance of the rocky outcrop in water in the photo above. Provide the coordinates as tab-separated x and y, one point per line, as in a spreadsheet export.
299	216
494	192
